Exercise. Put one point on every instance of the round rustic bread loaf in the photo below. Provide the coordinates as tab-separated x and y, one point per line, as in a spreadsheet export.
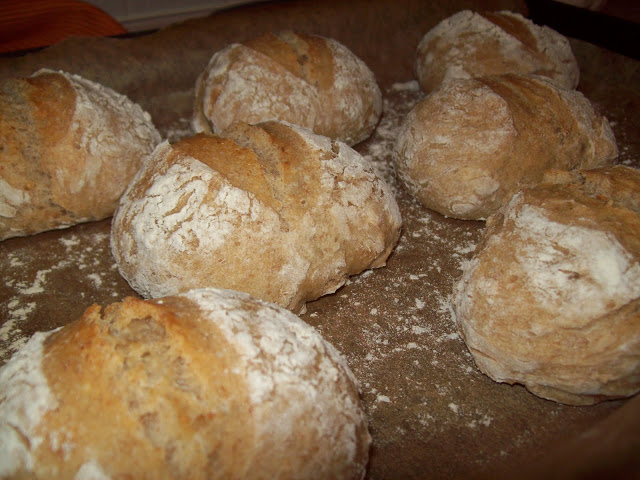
307	80
470	44
465	149
210	384
272	210
551	298
69	147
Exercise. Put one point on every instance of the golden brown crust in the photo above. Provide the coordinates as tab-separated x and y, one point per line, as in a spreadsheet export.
29	108
466	148
308	80
178	388
124	366
307	57
551	298
69	148
515	26
239	164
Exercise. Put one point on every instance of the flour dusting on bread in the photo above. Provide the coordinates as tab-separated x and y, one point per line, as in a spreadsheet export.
70	146
23	405
563	276
307	80
473	44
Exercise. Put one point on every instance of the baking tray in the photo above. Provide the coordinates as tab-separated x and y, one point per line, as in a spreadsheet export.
432	414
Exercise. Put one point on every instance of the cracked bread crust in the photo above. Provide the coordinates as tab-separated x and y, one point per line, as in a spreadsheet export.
272	210
211	384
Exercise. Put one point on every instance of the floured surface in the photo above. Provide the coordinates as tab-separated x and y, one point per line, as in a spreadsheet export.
421	387
429	407
51	278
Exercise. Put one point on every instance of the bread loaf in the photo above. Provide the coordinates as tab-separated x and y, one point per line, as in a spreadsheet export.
307	80
470	44
466	148
211	384
551	298
272	210
69	148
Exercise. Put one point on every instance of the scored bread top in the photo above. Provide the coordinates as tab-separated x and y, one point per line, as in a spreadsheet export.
307	57
70	146
465	149
307	80
473	44
273	210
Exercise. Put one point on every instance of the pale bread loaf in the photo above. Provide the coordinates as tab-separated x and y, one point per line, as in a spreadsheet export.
272	210
211	384
470	44
551	298
308	80
465	149
69	148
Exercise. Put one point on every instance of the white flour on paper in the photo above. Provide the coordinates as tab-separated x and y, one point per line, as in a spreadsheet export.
77	257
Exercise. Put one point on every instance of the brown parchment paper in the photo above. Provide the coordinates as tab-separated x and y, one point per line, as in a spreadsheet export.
432	414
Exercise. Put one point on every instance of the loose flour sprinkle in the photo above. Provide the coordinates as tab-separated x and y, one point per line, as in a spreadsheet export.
77	257
394	325
416	375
